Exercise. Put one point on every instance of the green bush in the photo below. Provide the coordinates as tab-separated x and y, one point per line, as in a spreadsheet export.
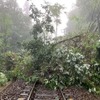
1	62
3	79
11	60
66	68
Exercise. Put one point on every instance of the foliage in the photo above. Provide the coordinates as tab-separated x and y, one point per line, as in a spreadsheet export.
17	65
11	59
32	79
67	68
42	22
3	79
1	62
92	81
59	67
14	25
56	11
98	44
88	20
86	44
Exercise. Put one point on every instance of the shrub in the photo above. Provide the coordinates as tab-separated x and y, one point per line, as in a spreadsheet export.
11	60
66	68
3	79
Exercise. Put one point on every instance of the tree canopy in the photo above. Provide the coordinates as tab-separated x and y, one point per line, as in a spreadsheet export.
14	24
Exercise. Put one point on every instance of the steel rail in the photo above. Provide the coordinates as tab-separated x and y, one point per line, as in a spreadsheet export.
29	97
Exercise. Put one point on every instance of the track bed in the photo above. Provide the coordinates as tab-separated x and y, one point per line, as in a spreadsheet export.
77	93
43	93
20	90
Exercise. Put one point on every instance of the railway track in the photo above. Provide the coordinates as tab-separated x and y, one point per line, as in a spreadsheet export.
20	90
43	93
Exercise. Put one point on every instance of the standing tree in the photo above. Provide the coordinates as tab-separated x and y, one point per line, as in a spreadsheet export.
56	12
89	19
14	25
42	27
42	22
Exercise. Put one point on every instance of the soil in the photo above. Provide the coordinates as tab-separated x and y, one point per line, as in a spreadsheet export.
77	93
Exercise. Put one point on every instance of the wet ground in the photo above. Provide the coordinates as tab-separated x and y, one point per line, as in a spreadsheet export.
20	90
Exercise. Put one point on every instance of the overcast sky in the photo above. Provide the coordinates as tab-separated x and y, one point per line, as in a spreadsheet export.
69	4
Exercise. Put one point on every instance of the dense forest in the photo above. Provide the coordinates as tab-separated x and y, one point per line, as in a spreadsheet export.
30	48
